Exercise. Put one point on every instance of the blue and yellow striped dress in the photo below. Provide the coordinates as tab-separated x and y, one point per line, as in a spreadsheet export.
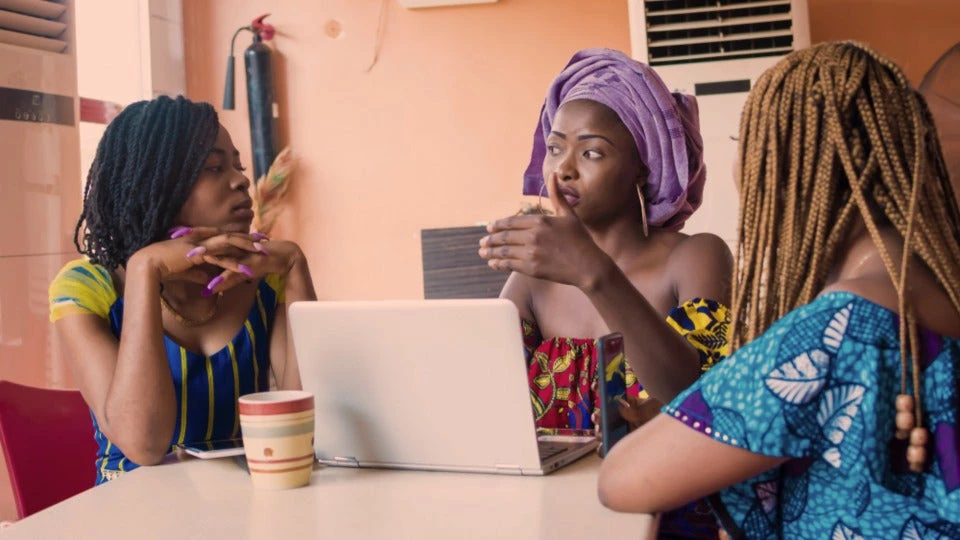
207	387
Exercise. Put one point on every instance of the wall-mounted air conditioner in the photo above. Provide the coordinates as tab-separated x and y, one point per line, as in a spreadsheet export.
716	49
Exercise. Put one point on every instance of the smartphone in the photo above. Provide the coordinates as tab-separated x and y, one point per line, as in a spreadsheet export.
215	449
611	385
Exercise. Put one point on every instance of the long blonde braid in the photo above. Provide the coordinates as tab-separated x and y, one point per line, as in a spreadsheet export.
831	133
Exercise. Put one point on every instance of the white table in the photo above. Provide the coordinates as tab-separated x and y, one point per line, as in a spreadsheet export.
215	499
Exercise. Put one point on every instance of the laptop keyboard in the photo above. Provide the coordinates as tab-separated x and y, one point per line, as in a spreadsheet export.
550	450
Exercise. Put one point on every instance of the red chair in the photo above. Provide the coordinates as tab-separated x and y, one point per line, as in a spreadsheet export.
47	438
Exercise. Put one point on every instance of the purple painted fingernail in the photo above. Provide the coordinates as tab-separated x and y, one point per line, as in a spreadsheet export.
245	270
214	282
206	293
180	232
259	236
199	250
260	248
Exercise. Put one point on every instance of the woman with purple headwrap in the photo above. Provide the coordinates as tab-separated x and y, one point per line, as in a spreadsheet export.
620	157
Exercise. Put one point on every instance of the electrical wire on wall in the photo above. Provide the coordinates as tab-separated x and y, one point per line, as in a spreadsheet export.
378	38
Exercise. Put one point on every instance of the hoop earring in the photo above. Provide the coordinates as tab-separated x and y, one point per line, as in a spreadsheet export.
543	188
643	211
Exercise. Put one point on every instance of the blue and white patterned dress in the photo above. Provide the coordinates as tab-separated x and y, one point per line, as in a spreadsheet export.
819	387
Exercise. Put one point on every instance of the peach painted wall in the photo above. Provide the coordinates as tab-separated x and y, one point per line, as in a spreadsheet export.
436	134
914	33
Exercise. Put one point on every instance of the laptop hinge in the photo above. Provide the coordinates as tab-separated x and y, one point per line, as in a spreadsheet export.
347	461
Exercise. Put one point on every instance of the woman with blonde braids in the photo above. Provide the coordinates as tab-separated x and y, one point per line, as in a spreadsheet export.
837	415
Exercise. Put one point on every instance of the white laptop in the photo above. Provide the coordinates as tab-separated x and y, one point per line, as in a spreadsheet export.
424	384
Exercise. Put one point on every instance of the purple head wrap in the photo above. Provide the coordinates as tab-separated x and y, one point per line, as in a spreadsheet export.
664	126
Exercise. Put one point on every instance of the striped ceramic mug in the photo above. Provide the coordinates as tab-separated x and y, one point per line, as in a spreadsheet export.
278	437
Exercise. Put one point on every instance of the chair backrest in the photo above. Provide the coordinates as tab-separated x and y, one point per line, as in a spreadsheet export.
47	438
453	269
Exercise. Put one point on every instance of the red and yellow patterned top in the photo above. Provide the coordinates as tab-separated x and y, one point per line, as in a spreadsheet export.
562	372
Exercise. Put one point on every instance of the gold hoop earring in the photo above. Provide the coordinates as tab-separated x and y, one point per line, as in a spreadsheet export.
543	187
643	211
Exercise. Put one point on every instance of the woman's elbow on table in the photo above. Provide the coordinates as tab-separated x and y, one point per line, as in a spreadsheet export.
141	448
631	480
620	495
144	453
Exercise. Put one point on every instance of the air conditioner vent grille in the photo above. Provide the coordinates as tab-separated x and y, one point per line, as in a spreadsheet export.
685	31
35	24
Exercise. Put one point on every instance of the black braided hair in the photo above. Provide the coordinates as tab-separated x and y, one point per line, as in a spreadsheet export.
146	164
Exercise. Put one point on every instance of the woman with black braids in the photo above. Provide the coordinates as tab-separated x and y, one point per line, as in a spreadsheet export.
838	415
177	309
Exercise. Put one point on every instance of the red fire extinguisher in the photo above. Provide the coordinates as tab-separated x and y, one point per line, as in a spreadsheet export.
260	94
